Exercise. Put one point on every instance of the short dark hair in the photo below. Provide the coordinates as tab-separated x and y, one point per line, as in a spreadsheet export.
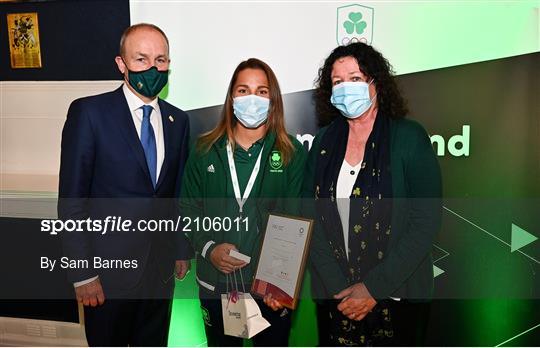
374	66
135	27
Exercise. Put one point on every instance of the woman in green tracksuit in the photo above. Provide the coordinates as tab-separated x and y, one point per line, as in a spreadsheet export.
238	173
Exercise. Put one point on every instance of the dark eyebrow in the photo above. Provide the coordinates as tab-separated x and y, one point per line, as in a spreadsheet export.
246	86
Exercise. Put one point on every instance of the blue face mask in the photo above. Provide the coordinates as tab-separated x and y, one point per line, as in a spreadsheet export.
251	110
351	98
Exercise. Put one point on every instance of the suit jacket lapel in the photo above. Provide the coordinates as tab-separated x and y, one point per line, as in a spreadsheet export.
127	128
167	141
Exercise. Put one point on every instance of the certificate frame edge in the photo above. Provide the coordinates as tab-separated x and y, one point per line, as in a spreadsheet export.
300	278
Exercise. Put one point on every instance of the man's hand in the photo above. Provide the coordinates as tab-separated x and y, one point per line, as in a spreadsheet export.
222	261
272	303
90	294
356	302
181	268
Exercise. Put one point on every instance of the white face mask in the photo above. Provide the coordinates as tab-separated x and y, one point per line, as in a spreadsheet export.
251	110
352	98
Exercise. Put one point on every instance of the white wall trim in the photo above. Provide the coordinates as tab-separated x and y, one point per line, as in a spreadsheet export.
31	332
32	115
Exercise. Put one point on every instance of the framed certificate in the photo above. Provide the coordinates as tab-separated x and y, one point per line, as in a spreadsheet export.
283	258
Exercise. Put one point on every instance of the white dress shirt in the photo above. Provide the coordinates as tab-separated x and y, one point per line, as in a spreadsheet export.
135	107
346	179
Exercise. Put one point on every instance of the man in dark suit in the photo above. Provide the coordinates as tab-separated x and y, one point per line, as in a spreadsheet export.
123	154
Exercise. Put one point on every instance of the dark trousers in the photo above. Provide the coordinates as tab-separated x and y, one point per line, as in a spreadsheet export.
128	322
409	322
138	317
277	335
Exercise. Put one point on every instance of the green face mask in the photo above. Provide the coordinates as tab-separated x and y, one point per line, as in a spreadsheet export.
148	82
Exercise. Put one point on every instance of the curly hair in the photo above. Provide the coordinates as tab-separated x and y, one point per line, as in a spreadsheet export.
374	66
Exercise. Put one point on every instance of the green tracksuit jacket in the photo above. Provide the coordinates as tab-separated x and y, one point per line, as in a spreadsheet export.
207	191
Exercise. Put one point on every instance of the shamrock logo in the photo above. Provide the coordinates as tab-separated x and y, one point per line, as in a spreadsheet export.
355	22
276	160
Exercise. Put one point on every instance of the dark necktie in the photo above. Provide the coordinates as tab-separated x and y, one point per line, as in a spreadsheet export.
148	141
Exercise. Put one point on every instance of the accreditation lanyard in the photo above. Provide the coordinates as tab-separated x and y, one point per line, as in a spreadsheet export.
236	186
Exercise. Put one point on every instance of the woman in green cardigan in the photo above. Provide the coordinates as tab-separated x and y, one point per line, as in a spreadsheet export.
246	167
376	185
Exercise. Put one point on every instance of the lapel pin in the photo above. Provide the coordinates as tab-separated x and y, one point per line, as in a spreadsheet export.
171	118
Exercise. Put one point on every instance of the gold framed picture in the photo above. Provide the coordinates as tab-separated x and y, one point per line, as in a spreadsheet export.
24	44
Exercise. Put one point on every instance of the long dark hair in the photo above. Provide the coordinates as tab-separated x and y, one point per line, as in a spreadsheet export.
374	66
275	122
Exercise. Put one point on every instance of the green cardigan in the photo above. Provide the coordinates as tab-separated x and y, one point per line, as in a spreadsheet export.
407	269
207	192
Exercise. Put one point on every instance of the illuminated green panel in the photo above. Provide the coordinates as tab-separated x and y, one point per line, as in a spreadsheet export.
187	327
440	34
